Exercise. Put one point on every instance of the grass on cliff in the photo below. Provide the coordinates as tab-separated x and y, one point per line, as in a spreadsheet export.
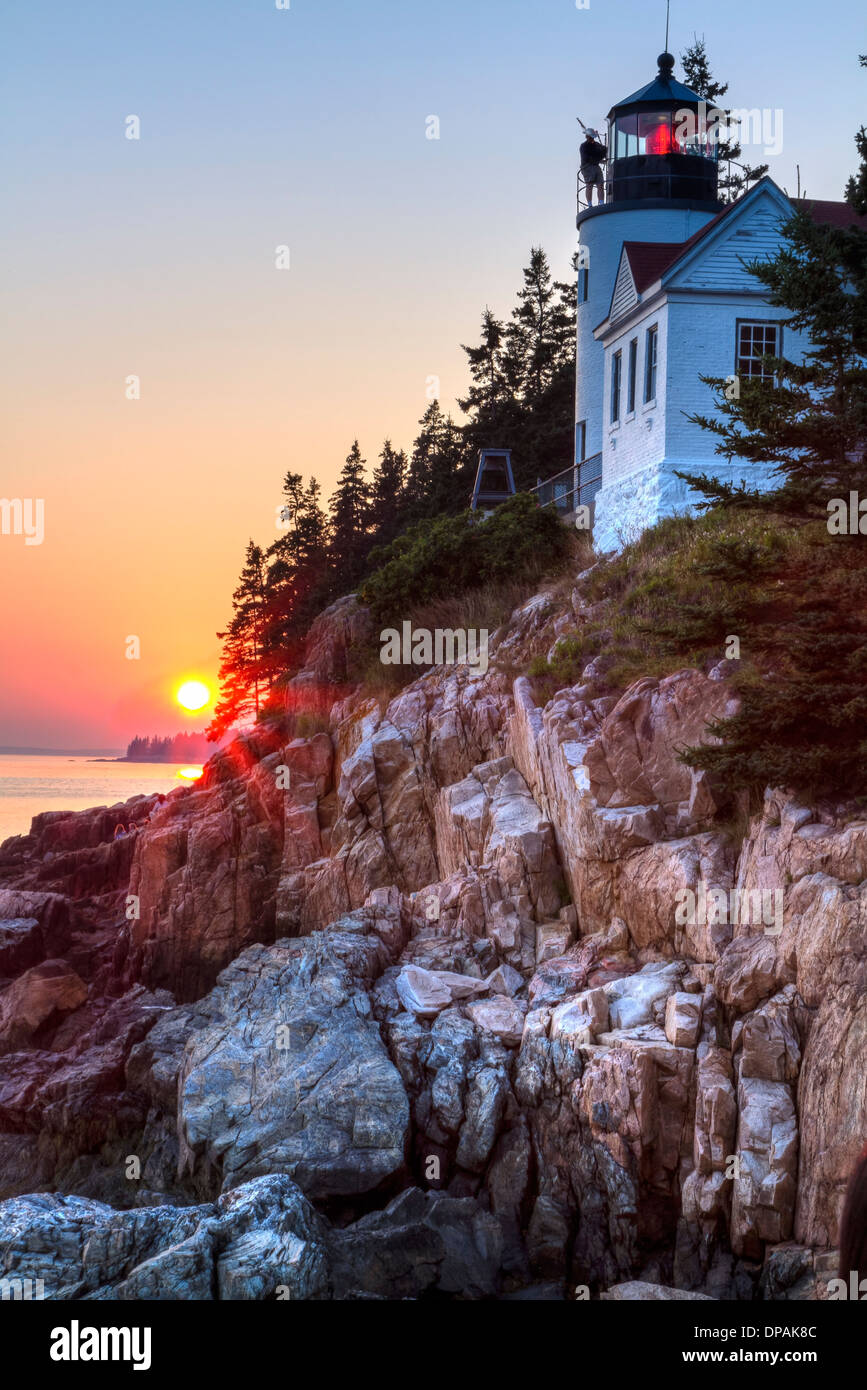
460	573
783	596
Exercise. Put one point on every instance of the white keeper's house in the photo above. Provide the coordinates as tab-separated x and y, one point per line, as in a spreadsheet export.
663	299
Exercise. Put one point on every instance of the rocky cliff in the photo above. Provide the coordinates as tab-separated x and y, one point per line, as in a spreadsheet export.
465	996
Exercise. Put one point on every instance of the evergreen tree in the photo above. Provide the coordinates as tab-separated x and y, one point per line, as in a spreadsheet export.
387	495
436	479
698	76
540	334
297	574
244	675
350	523
489	386
523	389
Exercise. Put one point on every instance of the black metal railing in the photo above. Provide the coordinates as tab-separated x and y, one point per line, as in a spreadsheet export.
572	487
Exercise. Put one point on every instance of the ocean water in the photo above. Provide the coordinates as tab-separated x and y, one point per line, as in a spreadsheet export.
30	783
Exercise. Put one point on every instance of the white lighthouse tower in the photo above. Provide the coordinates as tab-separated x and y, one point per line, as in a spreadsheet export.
661	187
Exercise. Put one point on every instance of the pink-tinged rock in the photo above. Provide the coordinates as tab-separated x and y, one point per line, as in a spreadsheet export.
504	980
769	1040
749	971
767	1149
683	1019
41	992
581	1019
426	993
552	939
500	1016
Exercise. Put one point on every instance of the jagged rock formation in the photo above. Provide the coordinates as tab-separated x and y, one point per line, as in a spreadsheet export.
461	996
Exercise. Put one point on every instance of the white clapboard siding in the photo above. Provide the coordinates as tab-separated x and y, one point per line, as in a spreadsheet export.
719	266
625	296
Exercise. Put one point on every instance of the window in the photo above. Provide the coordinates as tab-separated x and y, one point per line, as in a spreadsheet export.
583	284
580	441
633	366
616	368
755	341
650	353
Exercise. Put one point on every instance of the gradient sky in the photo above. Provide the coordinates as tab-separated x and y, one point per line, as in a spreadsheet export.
305	127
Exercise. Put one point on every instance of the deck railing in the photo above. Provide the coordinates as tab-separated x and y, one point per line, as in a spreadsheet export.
572	487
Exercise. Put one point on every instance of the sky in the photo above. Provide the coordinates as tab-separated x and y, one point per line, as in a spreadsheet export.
303	127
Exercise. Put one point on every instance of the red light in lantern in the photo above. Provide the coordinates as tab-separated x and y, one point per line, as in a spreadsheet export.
659	141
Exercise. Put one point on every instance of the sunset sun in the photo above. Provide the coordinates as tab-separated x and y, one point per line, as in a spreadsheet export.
193	695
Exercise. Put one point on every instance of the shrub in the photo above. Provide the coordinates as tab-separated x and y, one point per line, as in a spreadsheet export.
453	555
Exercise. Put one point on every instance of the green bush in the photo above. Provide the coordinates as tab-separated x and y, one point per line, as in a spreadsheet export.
452	555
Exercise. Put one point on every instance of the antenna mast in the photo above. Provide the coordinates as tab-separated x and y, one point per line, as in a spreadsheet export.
667	17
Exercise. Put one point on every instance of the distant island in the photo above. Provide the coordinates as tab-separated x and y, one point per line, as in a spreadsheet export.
182	748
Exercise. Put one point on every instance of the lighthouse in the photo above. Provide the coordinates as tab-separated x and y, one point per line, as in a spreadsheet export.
661	187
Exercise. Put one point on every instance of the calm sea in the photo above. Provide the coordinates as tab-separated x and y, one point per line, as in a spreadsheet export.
30	783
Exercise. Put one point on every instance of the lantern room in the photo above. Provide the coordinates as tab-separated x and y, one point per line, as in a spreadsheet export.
662	144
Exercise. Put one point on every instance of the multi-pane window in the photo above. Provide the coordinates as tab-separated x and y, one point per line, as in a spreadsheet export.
650	353
616	370
756	341
630	380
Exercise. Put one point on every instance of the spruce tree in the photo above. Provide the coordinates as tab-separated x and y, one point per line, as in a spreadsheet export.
489	386
244	677
698	76
349	509
437	481
541	330
297	572
387	495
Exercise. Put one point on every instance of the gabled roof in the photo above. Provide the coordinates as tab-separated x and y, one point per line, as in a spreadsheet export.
650	261
840	215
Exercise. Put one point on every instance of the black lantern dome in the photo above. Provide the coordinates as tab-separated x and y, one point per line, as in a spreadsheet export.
662	144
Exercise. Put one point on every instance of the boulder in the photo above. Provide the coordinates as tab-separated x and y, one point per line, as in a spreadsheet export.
41	994
289	1073
500	1016
682	1019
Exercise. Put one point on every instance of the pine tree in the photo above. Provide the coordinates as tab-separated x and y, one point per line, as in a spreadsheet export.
349	509
387	495
489	385
436	478
698	76
296	582
541	329
244	676
522	396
